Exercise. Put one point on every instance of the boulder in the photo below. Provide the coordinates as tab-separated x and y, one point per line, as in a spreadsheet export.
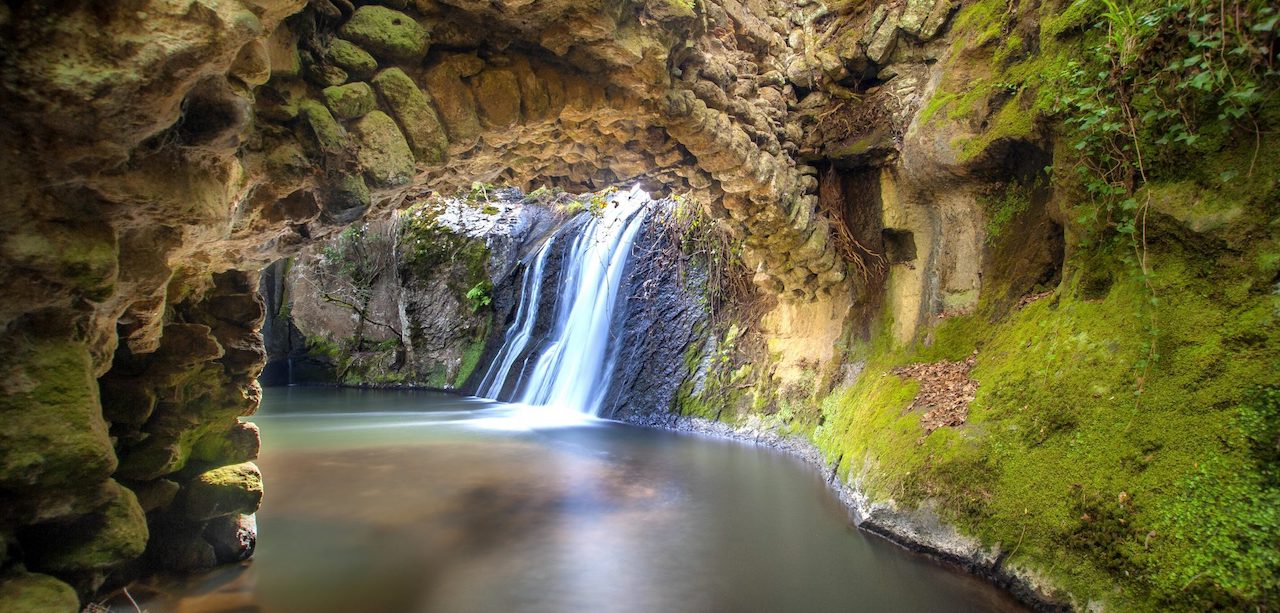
232	537
412	108
54	434
349	101
113	534
384	154
386	33
224	491
328	133
240	443
35	593
351	58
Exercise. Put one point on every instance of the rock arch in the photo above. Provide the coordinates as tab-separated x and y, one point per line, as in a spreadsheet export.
154	154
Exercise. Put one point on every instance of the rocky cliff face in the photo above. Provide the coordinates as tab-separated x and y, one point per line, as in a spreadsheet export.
882	165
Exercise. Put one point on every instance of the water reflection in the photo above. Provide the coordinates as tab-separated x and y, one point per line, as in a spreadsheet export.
394	501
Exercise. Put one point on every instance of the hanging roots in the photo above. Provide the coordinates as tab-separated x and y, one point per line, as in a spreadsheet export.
867	262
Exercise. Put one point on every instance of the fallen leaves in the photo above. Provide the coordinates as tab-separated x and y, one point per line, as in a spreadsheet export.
945	391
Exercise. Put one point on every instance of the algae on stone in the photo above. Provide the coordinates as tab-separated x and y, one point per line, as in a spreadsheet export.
412	108
384	155
114	534
22	592
349	101
386	32
351	58
224	491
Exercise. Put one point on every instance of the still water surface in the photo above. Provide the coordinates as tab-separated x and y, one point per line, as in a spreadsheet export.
415	501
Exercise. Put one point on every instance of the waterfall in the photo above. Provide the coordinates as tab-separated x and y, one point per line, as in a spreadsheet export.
570	367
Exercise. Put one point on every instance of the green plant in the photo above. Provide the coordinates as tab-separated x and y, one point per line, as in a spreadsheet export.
479	295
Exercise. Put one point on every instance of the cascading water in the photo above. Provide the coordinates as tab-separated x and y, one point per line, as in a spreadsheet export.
569	368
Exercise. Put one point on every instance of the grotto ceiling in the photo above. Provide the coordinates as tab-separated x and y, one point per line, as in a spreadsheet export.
157	153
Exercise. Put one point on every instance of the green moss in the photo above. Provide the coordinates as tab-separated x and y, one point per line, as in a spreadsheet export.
109	536
351	58
54	434
224	491
329	135
470	359
422	128
349	101
1069	423
387	33
35	593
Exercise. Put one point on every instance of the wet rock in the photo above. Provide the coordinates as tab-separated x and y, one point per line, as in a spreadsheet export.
232	537
349	101
22	592
384	154
351	58
224	491
113	534
413	110
387	33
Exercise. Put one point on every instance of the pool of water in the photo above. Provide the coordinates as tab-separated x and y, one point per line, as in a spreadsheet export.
415	501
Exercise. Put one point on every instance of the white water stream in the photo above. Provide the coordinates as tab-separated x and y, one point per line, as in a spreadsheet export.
569	368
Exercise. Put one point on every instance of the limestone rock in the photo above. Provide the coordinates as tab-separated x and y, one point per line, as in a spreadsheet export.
351	58
349	101
386	32
113	534
455	102
384	154
35	593
498	94
224	491
413	110
253	64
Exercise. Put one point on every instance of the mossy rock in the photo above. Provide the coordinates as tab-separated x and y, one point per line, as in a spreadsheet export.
349	101
113	534
387	33
422	128
224	491
346	199
351	58
36	593
240	443
53	434
384	154
328	133
325	75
